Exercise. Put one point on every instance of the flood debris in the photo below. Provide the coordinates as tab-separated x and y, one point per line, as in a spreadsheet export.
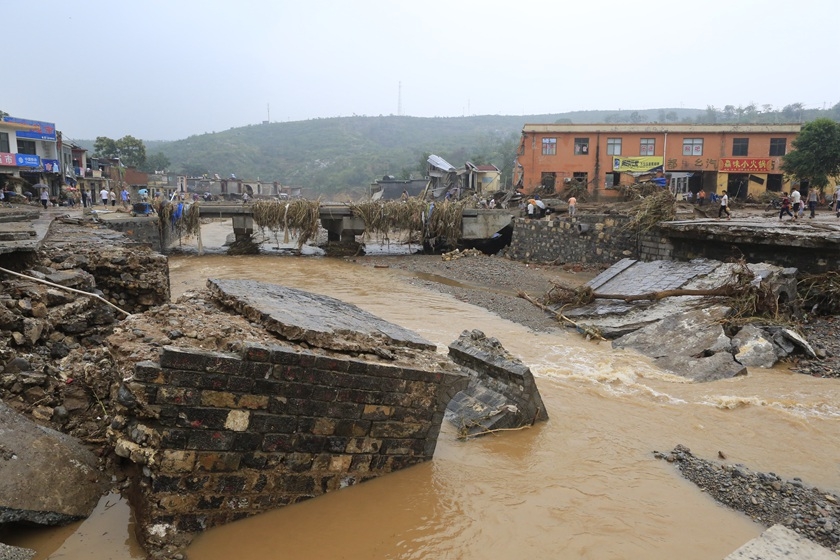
719	318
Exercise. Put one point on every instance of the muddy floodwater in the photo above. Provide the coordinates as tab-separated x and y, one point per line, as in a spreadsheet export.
584	484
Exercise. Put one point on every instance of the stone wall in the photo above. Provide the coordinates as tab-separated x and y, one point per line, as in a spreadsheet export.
224	436
142	229
129	274
586	238
653	247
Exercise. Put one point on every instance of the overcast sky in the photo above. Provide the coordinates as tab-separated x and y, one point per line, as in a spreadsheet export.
168	69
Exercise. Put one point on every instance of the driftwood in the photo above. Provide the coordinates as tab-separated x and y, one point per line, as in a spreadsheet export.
656	296
588	331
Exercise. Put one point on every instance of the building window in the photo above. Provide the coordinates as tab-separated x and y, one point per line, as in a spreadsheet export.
692	146
612	180
777	146
26	147
549	146
613	146
740	146
581	176
647	146
4	142
581	146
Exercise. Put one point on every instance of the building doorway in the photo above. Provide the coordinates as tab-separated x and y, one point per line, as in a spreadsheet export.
737	185
774	182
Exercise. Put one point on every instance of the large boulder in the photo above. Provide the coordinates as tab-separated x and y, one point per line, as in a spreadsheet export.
47	477
753	347
690	344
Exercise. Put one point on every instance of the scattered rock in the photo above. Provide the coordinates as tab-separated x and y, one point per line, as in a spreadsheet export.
764	497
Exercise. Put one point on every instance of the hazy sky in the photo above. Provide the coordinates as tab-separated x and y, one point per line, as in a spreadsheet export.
167	69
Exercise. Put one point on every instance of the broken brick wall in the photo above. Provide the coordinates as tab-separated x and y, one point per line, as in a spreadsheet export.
222	437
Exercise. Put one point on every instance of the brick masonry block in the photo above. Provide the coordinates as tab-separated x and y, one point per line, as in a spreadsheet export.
228	365
148	371
176	358
256	352
217	462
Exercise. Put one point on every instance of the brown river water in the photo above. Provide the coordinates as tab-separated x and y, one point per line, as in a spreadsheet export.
582	485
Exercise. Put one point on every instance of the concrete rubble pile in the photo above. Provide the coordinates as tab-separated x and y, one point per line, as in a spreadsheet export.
54	363
697	346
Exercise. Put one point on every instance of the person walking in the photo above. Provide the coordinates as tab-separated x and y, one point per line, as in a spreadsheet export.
45	198
112	196
724	207
701	197
785	207
124	197
813	199
572	206
796	200
837	200
103	194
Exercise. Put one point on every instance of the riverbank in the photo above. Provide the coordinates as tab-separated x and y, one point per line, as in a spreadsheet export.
487	281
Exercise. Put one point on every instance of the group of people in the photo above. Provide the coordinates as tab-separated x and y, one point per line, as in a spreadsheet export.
535	208
794	201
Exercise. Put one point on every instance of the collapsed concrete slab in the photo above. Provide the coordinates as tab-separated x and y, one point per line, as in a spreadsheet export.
616	317
697	348
502	392
48	478
317	320
221	435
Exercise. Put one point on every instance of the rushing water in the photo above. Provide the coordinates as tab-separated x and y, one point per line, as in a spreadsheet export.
582	485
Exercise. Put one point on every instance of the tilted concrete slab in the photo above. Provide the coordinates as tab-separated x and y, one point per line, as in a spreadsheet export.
777	543
317	320
615	317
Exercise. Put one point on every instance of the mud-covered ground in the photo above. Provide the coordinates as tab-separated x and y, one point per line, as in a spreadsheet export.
490	282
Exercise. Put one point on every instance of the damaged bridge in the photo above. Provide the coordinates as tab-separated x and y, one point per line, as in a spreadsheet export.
340	398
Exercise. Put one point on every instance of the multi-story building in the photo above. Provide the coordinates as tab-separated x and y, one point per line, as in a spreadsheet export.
29	154
739	159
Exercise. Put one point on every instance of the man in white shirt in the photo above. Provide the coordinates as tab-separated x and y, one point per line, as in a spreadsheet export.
796	199
724	206
103	194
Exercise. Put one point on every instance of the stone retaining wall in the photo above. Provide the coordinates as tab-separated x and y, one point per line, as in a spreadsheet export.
587	238
223	437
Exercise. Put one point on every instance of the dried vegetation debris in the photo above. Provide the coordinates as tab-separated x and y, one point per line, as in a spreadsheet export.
764	497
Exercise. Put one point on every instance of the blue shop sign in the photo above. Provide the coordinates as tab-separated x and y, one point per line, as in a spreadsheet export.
27	160
51	165
33	129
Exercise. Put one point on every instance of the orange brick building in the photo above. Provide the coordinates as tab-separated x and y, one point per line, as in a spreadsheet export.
740	159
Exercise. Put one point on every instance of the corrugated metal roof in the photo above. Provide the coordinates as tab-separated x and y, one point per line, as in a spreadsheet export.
440	163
